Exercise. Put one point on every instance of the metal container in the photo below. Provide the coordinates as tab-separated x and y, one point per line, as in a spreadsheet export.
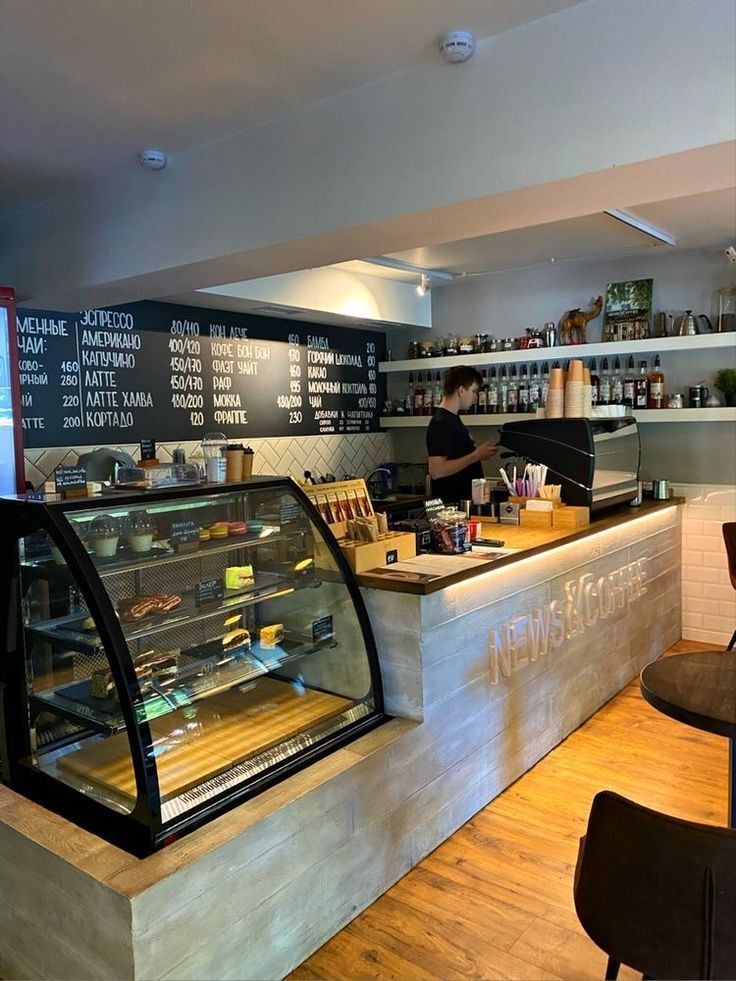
661	490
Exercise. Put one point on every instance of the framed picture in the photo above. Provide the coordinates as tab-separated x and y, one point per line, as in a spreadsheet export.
628	312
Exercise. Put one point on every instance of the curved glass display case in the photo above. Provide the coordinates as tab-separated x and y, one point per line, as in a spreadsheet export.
174	652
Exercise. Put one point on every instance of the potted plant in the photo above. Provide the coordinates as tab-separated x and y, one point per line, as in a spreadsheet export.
725	380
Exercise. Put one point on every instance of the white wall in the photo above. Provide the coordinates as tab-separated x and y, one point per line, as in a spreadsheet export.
431	154
708	598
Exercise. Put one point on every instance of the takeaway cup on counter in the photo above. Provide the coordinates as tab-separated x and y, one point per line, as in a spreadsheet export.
215	464
247	462
234	461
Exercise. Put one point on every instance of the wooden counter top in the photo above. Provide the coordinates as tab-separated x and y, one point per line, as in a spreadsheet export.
531	541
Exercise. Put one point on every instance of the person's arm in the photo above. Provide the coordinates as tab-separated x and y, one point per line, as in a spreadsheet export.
440	466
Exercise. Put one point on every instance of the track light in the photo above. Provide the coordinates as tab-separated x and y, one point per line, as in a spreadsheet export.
424	286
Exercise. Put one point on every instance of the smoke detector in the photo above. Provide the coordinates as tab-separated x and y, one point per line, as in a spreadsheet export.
152	159
457	46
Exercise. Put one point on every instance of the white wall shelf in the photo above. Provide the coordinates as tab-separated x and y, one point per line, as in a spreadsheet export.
643	418
660	345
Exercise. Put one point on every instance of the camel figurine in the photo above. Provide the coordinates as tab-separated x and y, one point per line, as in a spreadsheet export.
574	324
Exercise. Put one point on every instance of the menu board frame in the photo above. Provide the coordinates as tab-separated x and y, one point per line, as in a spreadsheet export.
110	375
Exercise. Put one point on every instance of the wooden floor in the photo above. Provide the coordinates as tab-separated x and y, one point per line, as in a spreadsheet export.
495	900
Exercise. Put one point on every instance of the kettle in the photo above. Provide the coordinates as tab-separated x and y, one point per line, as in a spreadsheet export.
687	325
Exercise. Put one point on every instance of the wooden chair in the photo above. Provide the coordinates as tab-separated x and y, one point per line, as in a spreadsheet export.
657	893
729	537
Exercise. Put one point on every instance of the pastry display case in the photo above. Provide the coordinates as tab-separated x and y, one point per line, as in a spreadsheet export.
171	653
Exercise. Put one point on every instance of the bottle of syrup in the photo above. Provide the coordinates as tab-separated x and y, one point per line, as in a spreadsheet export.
656	386
630	385
594	383
641	400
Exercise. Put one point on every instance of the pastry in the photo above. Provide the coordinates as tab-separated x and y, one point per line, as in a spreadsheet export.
88	624
204	534
272	635
102	685
162	664
131	610
166	603
219	530
239	576
238	528
239	637
136	608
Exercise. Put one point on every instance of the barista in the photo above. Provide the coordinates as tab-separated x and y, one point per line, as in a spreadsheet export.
454	459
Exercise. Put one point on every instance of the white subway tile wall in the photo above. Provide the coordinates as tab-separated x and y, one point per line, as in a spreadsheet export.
356	455
708	598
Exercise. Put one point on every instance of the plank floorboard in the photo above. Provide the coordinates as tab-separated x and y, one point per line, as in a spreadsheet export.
495	899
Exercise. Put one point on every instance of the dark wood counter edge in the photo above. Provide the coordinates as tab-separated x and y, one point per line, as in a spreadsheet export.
618	516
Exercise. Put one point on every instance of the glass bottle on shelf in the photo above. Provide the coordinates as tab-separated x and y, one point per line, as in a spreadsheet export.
503	391
428	395
617	384
534	389
604	385
437	391
630	384
524	390
656	386
594	383
493	392
419	395
409	396
483	394
641	400
513	390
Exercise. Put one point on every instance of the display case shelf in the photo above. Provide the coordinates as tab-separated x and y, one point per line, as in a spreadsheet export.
55	572
75	702
660	345
727	414
63	630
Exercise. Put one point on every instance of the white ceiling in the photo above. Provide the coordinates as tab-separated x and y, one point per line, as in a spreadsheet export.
696	221
85	84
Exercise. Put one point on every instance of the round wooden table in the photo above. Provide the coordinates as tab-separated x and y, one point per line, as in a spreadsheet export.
699	689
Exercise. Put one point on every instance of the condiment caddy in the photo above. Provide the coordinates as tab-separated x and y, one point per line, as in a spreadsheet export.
348	511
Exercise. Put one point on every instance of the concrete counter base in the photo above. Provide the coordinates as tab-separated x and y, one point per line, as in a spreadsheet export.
486	675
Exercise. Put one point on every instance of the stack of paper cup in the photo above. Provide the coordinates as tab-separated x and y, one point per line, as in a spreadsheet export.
555	408
587	393
575	390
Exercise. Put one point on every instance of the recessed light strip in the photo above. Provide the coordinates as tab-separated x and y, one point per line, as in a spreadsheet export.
382	260
641	226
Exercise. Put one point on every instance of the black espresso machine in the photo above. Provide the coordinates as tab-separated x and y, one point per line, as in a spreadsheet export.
595	460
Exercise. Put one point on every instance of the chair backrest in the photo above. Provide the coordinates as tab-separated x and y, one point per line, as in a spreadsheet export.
658	893
729	537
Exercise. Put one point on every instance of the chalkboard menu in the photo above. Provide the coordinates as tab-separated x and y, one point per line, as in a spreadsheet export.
175	373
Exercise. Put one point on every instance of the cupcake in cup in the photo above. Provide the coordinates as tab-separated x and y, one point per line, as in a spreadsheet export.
139	530
104	534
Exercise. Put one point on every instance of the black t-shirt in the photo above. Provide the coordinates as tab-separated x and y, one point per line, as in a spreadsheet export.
448	436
